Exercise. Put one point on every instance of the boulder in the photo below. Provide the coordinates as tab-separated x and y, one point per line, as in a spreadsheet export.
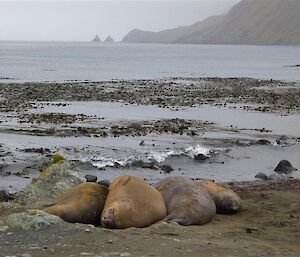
200	157
261	175
90	178
55	180
284	167
31	220
5	196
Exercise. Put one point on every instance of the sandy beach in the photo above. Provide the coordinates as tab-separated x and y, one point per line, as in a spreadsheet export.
268	225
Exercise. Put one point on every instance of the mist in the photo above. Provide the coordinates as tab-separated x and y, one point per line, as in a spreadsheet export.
81	20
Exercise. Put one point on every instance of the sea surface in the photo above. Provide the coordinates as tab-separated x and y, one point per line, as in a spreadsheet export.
57	61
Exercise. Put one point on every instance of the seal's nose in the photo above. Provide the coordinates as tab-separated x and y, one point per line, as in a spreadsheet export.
107	219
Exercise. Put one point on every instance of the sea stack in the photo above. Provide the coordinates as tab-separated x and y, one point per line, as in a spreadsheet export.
96	39
109	39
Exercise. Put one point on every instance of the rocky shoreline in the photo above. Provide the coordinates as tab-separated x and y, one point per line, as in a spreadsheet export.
58	111
268	95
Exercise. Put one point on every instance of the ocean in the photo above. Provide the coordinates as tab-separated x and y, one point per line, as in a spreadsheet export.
58	61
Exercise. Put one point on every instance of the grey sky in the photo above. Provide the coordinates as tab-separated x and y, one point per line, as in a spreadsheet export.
81	20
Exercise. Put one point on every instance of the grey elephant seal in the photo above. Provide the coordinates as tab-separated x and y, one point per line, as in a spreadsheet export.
226	200
132	202
81	204
187	203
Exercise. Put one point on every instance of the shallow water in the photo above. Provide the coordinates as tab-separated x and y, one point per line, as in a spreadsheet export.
41	61
118	112
229	160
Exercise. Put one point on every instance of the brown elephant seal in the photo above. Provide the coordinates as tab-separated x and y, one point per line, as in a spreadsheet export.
82	204
187	203
132	202
226	200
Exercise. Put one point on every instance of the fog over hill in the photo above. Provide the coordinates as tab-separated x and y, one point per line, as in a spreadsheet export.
265	22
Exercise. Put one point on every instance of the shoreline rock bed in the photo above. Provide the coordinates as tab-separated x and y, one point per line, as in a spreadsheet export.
268	95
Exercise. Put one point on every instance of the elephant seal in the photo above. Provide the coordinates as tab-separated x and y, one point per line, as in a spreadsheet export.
187	203
82	204
132	202
226	200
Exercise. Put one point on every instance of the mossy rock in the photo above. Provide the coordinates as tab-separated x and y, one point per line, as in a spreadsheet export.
57	158
32	220
55	180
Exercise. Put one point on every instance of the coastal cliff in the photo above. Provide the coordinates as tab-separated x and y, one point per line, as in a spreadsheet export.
269	22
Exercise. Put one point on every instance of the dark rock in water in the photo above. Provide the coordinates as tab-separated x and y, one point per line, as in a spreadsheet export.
5	196
37	150
96	39
145	165
104	182
109	39
263	142
166	168
261	175
200	157
284	167
90	178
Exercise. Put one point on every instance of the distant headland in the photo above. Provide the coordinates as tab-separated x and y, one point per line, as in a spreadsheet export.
253	22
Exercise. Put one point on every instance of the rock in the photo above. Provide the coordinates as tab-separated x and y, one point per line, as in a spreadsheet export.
104	182
5	196
55	180
263	142
200	157
166	168
261	175
57	158
145	165
125	254
90	178
32	220
109	39
96	39
284	167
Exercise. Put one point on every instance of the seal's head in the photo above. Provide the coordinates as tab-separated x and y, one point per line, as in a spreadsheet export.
227	202
108	218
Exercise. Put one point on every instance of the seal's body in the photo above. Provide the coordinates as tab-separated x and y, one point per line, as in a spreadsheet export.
226	200
132	202
187	203
83	204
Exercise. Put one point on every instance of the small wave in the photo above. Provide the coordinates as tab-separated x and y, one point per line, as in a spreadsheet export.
196	150
152	157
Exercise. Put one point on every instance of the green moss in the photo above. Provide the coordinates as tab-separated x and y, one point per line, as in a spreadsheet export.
32	212
57	158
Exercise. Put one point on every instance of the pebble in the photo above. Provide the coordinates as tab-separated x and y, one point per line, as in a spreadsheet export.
86	254
125	254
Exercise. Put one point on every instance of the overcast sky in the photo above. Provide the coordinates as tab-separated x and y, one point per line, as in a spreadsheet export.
68	20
